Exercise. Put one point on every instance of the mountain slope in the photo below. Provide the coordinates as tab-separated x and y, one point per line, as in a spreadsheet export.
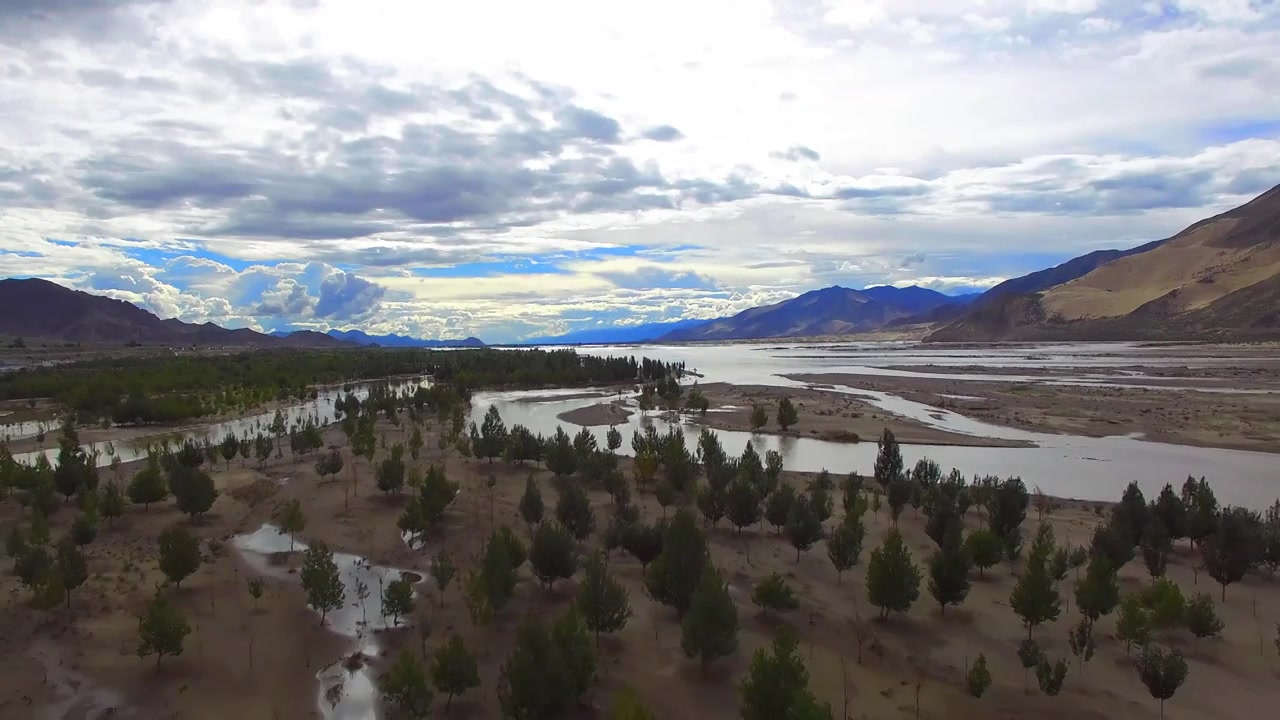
1217	278
362	338
829	311
42	309
1065	272
617	333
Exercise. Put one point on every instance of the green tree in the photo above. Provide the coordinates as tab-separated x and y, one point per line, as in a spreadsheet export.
404	687
161	629
179	554
742	504
292	521
112	502
1080	638
1202	618
949	572
787	415
454	670
1170	510
1099	592
397	599
777	684
889	463
193	490
1051	676
321	581
1029	655
710	629
898	495
602	602
978	679
777	508
72	569
442	572
984	549
1156	547
844	546
548	670
759	417
1165	602
257	586
804	529
148	485
573	510
553	554
773	594
1133	625
893	580
531	506
673	576
1233	548
1035	598
1162	671
497	575
229	447
415	443
389	474
613	439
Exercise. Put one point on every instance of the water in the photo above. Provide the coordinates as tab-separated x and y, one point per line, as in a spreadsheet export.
1063	465
343	694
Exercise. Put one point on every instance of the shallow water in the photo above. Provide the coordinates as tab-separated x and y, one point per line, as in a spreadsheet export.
343	694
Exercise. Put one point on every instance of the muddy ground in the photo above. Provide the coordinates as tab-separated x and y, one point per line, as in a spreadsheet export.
250	664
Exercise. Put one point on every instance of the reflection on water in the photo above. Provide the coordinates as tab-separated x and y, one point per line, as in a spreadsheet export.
346	691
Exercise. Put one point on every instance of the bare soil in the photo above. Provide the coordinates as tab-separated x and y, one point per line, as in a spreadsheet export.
598	414
245	663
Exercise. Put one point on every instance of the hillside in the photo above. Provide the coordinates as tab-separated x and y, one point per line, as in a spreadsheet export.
37	308
829	311
360	337
1065	272
1217	278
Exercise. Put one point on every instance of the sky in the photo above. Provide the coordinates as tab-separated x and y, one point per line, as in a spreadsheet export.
510	169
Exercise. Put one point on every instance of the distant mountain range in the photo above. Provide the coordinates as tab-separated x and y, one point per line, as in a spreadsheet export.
1218	279
35	308
616	333
361	338
830	311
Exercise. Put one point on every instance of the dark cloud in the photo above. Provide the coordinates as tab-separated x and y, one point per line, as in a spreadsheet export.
798	153
1129	192
895	191
663	133
29	21
578	122
913	259
344	296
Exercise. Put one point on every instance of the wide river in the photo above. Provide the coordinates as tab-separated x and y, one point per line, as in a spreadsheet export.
1063	465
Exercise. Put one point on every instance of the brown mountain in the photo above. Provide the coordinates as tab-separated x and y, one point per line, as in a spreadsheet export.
1219	278
41	309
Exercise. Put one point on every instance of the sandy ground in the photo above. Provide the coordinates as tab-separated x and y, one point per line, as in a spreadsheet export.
825	415
220	676
598	414
1199	419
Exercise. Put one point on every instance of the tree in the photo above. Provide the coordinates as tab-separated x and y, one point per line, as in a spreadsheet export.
497	577
673	576
777	684
553	554
263	445
602	602
627	706
1202	509
1170	510
389	474
1162	671
72	569
984	549
256	588
404	687
1035	598
777	508
321	581
1051	676
1098	593
531	507
1233	548
889	463
949	573
759	417
893	580
1202	618
193	490
710	629
292	521
561	458
742	505
161	629
229	447
613	439
85	527
1166	604
1112	542
415	443
112	503
148	485
1133	625
442	571
804	529
1029	655
773	594
454	670
1155	548
435	495
397	599
548	670
1080	638
643	541
179	554
573	510
820	500
978	679
844	546
787	415
329	464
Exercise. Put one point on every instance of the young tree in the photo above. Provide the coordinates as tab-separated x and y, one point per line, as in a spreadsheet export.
229	447
1170	510
454	670
978	679
742	504
643	541
321	581
179	554
553	554
1035	598
844	546
603	603
389	474
889	463
531	507
72	569
548	670
161	629
1162	671
112	502
442	572
292	521
898	495
777	684
1202	618
573	510
613	439
759	417
673	576
778	507
404	687
710	629
148	486
1051	676
804	529
415	443
773	594
397	599
949	573
256	588
1098	593
1133	625
984	549
787	415
1029	655
497	577
1233	548
193	490
1080	638
1165	602
1155	548
893	580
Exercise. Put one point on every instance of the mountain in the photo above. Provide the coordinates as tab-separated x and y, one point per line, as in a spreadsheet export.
1067	271
617	333
361	338
48	310
829	311
1215	279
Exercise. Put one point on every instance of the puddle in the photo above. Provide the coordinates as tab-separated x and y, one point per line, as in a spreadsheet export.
347	689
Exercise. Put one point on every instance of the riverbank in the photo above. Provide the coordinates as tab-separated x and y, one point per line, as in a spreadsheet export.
598	414
825	415
1174	415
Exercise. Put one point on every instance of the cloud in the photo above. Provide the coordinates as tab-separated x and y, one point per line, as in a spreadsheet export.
663	133
344	296
798	153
